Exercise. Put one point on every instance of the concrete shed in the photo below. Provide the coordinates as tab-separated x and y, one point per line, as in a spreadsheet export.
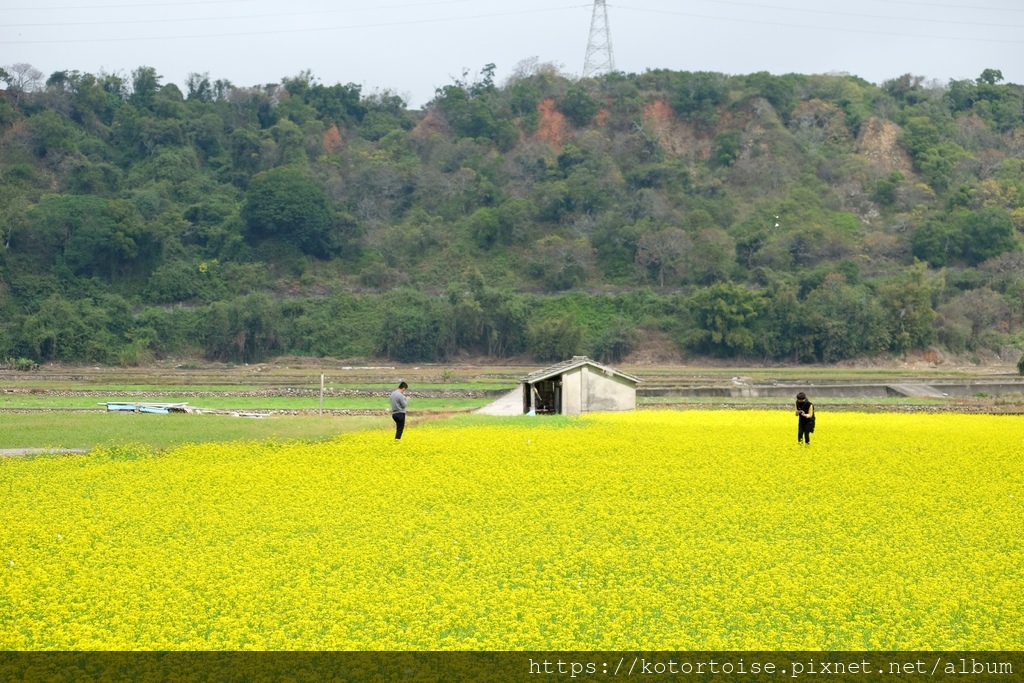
578	386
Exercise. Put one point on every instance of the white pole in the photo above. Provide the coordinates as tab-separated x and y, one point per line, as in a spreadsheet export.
321	394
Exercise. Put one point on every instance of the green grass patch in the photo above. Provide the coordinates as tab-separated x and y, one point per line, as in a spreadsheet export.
86	430
472	385
242	402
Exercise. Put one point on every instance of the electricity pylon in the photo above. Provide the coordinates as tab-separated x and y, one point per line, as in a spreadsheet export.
599	46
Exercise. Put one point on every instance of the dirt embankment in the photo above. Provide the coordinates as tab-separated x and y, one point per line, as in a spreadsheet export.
254	393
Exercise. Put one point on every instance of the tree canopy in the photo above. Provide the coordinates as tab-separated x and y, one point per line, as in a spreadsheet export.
773	217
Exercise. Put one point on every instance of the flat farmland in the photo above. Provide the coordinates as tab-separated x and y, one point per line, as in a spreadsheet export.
662	530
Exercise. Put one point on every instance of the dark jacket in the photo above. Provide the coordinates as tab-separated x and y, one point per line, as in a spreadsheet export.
806	423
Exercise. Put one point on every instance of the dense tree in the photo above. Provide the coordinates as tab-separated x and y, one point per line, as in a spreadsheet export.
145	86
965	236
93	236
341	104
697	95
285	204
415	327
52	134
844	321
552	339
907	299
244	330
578	106
973	320
776	217
724	314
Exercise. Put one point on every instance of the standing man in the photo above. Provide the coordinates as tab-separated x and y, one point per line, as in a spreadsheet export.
399	400
805	418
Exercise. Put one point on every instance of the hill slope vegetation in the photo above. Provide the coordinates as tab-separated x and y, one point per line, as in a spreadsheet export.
801	218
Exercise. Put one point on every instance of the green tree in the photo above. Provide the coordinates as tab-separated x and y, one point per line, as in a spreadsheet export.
486	228
285	204
780	91
986	234
779	330
505	322
907	301
885	191
199	87
473	110
965	236
55	331
727	146
936	242
245	152
145	86
554	339
415	327
617	340
108	239
94	236
51	133
724	314
937	163
70	331
578	106
697	95
340	104
242	330
844	321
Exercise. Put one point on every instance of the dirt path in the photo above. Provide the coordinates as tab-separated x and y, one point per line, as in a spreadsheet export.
16	452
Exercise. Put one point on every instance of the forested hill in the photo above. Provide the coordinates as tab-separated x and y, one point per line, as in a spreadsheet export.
798	218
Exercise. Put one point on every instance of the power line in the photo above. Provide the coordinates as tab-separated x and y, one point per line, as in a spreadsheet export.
967	7
451	2
215	2
156	4
296	30
863	16
225	2
233	18
816	28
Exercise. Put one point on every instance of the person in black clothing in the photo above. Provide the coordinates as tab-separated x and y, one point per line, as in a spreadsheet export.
805	418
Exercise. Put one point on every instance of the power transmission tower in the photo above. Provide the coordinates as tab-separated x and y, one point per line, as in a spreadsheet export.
599	46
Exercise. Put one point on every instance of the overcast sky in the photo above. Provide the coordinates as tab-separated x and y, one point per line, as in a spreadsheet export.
412	47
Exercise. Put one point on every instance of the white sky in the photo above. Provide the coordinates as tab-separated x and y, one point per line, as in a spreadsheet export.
412	47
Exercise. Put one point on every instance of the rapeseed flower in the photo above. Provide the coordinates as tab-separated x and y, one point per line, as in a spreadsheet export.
652	530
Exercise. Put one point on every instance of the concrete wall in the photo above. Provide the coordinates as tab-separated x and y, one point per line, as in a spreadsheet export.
587	390
848	390
606	392
572	392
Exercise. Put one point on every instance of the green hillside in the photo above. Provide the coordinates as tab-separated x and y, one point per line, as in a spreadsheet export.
797	218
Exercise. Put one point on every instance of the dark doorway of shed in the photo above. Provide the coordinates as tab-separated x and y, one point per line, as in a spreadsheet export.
544	397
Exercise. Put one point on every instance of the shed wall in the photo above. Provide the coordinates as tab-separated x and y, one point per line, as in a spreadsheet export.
572	391
603	392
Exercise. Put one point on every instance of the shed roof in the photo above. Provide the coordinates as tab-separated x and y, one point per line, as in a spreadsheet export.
577	361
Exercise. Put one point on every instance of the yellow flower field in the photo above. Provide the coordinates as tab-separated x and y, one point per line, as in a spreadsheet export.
653	530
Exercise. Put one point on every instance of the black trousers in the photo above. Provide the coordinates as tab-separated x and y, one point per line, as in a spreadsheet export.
803	431
399	419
